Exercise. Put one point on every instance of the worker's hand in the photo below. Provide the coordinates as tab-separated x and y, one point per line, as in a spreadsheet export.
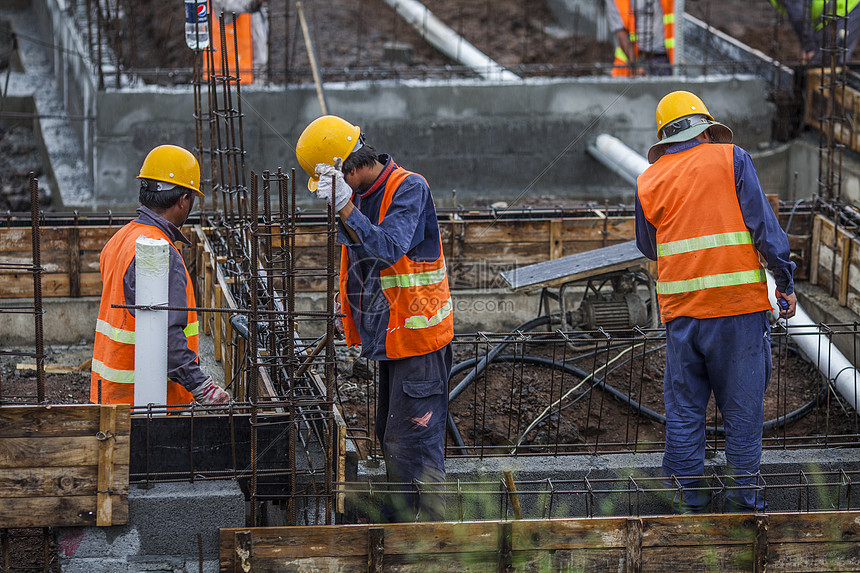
210	393
791	299
340	194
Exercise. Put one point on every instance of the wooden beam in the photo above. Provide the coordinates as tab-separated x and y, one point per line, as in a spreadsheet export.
375	549
816	245
845	243
107	441
556	242
633	545
760	546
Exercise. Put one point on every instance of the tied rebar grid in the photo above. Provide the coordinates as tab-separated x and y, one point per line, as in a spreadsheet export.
553	392
36	270
631	494
255	255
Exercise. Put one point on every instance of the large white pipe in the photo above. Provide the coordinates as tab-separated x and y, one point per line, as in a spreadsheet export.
152	266
615	155
817	348
448	41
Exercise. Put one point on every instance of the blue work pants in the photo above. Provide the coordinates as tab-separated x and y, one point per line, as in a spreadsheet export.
411	412
729	356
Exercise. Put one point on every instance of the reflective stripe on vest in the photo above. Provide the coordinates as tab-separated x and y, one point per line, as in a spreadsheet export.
417	322
414	279
111	375
115	334
706	242
127	336
711	281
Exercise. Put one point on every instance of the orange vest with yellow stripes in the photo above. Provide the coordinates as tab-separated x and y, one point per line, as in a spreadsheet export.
706	261
419	302
621	65
113	350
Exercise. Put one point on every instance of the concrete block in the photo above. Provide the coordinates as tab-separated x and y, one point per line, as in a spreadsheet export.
164	522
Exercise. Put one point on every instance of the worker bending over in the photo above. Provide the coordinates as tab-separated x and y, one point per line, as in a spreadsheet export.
702	215
169	179
394	294
813	22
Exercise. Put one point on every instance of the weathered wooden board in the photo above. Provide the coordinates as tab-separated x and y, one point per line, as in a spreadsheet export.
64	465
63	511
825	541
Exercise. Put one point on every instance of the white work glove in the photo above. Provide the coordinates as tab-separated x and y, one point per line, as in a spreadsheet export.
210	393
341	193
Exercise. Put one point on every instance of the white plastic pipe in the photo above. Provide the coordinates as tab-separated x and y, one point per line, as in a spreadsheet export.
152	266
448	41
614	154
817	348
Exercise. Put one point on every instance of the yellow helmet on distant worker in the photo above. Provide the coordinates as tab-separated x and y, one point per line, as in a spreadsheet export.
681	116
324	140
172	164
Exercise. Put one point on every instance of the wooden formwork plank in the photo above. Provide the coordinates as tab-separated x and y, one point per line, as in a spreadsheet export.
64	511
606	532
64	465
107	448
816	247
825	541
50	482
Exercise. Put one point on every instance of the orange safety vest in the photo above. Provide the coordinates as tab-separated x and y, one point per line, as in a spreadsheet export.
706	261
419	302
236	38
113	351
621	65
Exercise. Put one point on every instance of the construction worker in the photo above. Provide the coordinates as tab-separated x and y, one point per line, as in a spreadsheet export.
394	294
809	19
702	215
169	180
644	35
252	21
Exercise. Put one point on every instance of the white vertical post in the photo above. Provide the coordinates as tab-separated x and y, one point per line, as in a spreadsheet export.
152	266
680	8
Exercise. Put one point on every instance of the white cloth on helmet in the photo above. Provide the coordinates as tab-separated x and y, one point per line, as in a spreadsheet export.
342	192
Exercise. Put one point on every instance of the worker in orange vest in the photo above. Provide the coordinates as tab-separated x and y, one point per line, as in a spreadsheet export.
252	36
395	298
702	215
169	180
645	36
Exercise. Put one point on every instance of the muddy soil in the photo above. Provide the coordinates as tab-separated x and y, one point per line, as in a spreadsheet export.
498	409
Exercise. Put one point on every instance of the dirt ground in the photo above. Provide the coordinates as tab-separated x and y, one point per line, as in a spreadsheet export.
353	39
494	411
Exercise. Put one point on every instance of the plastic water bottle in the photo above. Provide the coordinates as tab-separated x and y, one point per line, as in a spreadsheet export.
196	24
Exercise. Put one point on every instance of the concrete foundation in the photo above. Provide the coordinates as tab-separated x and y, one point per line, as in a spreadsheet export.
165	523
610	475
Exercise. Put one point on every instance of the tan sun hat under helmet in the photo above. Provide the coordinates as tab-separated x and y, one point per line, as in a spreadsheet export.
681	116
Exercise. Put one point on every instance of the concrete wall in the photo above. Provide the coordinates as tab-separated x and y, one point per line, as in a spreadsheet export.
503	141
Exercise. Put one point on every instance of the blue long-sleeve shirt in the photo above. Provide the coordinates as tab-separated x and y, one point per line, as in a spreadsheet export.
768	237
182	364
409	227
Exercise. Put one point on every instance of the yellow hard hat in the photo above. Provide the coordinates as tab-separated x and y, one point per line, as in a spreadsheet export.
681	116
172	164
323	140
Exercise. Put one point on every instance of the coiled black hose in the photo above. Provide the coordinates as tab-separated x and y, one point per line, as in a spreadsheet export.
598	383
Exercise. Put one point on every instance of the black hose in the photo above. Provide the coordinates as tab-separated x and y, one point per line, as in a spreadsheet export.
481	365
614	392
